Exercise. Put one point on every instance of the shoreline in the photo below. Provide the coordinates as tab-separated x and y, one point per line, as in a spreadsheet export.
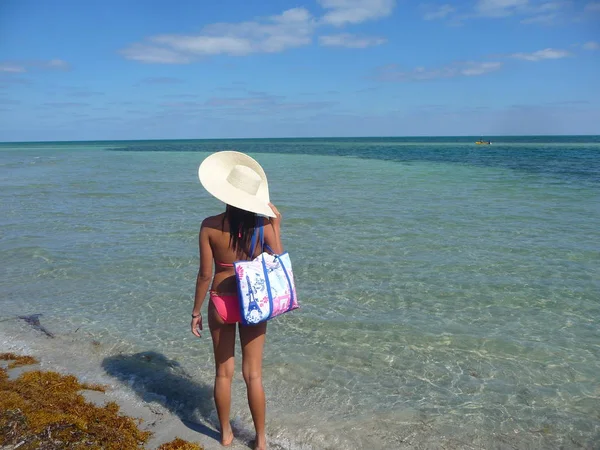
156	416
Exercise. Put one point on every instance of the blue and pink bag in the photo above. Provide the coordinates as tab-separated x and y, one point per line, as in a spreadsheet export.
265	284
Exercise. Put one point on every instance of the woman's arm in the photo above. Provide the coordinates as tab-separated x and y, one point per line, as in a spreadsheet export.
273	232
203	279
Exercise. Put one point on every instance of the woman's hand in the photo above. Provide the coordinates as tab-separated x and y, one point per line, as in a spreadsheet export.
197	325
275	221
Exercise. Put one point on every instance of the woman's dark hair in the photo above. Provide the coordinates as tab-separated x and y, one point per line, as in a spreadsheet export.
241	228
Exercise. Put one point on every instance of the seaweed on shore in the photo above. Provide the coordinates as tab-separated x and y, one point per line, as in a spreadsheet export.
17	360
179	444
45	410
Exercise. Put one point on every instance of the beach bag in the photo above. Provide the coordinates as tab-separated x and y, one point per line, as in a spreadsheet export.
265	284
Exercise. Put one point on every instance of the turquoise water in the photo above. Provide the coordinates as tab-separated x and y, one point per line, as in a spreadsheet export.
450	293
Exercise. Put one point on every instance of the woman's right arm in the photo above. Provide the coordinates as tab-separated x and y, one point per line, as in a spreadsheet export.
205	273
273	232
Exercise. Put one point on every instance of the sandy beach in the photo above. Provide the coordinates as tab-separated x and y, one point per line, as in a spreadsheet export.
162	421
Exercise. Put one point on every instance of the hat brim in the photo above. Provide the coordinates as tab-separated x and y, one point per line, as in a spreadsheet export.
213	173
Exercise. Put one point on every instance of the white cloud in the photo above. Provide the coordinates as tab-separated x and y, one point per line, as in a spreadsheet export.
292	28
544	12
592	7
544	19
441	12
11	68
591	45
206	45
499	8
350	41
474	69
255	103
569	103
243	102
160	80
154	55
343	12
84	94
547	53
457	69
65	104
57	64
26	66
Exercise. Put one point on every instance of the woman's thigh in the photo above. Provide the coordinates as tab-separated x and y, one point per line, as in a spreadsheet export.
223	337
253	339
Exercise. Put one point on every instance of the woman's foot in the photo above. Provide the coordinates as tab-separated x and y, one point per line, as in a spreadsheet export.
260	443
226	437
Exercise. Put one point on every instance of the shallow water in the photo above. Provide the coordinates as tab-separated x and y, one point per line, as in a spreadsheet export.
450	293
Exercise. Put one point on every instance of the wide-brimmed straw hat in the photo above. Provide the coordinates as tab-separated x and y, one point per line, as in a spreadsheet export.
238	180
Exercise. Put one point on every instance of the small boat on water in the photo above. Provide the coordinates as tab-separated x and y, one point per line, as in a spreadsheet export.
482	142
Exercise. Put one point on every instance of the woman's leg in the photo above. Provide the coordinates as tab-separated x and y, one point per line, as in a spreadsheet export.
253	341
223	337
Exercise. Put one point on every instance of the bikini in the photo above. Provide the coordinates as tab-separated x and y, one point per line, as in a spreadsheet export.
227	305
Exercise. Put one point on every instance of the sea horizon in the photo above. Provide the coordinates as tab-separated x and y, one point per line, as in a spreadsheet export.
419	137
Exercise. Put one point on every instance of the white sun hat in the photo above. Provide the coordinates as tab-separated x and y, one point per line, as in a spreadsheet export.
238	180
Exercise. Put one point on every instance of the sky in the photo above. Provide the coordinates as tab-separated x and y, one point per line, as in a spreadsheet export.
183	69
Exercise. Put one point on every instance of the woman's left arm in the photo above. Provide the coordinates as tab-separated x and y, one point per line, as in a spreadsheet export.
203	279
273	233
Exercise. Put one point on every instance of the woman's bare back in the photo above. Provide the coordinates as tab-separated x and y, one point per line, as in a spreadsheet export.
224	256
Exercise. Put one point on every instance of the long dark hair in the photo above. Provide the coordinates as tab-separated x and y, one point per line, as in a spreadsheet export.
241	228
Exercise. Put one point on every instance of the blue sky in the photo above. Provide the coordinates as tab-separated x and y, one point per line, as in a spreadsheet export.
147	69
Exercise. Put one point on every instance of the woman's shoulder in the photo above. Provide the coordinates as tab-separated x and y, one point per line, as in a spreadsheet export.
213	222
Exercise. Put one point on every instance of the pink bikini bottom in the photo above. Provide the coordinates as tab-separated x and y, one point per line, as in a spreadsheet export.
228	306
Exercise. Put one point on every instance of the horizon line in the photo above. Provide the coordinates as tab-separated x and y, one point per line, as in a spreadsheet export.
305	137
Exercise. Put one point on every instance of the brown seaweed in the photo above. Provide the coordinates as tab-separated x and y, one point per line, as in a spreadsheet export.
17	360
179	444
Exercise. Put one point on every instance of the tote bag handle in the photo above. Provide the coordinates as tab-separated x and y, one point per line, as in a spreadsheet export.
261	236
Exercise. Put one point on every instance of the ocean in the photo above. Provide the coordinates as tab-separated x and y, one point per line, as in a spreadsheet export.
449	292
